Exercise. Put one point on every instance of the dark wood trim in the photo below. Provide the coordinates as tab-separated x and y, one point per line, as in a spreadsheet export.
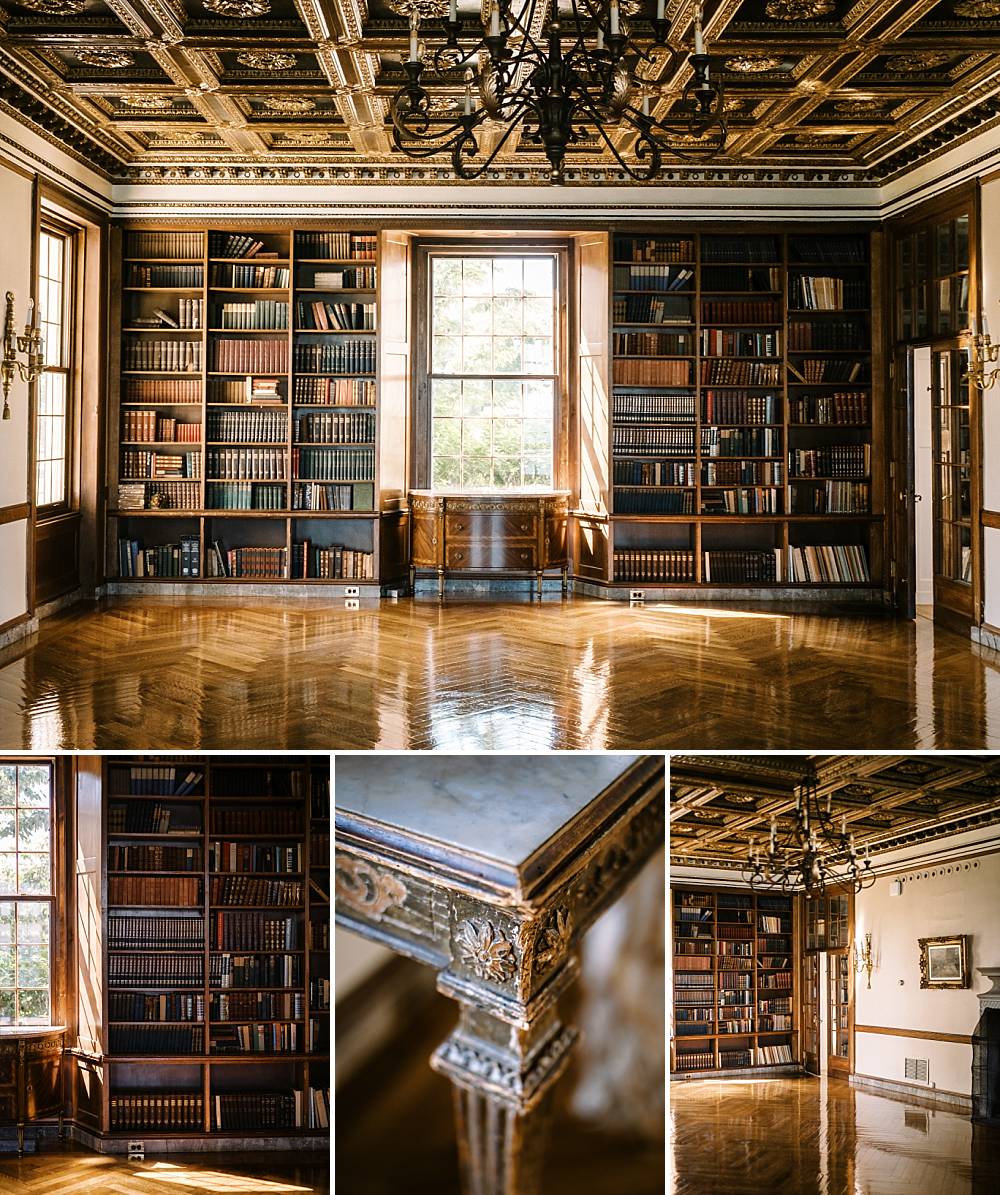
15	513
959	1039
991	518
17	621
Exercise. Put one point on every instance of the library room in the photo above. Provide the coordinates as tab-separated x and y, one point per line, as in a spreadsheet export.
165	977
835	974
369	382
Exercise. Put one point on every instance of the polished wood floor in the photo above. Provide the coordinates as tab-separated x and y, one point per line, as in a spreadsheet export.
821	1137
72	1170
131	673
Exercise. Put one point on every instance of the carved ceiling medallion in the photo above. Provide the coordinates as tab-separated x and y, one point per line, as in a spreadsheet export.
752	64
289	103
55	8
485	950
744	799
977	10
914	768
266	60
243	9
106	58
425	9
911	64
799	10
147	103
860	107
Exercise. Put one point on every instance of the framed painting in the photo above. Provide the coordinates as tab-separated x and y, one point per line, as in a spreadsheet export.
944	962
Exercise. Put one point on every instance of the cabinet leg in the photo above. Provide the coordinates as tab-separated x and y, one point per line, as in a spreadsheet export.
62	1126
20	1140
440	584
565	580
540	575
413	581
500	1151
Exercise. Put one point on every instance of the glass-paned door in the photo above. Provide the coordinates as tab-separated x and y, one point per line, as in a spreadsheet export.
838	1025
810	1012
952	464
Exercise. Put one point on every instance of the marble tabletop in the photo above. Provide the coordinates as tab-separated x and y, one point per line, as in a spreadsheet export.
498	809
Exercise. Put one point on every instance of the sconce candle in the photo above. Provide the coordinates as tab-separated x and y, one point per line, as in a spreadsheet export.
864	959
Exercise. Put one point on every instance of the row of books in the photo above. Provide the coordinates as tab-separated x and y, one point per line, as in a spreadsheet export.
256	277
629	472
257	355
319	315
242	857
832	460
342	356
233	244
741	472
319	994
259	314
309	496
255	970
333	464
149	856
154	780
171	1111
740	248
155	1039
277	1038
652	344
651	309
189	316
247	495
829	564
162	356
695	1060
651	501
726	342
337	245
654	438
240	1111
357	278
651	277
155	428
340	427
153	970
827	370
831	497
140	243
335	392
167	277
631	372
178	560
743	500
246	931
152	817
264	1006
166	1006
255	890
640	407
773	1055
654	565
319	849
319	932
848	406
850	335
272	820
740	406
742	441
723	371
180	392
133	932
260	563
808	292
243	464
658	249
329	563
249	427
741	311
137	462
284	783
171	891
741	280
847	250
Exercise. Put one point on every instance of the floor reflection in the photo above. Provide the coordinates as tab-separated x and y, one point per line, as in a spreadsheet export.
514	675
805	1136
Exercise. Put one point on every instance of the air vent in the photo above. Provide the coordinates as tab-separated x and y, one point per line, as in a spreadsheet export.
917	1070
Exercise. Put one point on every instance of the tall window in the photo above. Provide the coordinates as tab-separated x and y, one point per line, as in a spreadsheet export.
493	356
52	426
25	893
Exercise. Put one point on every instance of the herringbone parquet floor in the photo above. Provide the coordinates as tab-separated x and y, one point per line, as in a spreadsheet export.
166	673
821	1137
71	1170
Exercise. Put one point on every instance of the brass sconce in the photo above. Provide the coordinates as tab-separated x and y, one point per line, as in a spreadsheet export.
29	343
983	354
864	960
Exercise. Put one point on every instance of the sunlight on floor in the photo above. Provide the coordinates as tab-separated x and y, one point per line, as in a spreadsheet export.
702	612
212	1181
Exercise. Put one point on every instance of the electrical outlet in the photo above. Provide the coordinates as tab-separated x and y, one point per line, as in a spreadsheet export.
352	603
352	591
637	595
137	1151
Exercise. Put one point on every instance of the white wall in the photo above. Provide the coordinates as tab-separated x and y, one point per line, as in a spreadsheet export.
959	897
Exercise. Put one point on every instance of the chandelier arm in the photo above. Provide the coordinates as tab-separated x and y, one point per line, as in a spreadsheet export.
640	176
469	174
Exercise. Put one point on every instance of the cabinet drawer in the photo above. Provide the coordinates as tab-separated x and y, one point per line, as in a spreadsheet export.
490	555
494	524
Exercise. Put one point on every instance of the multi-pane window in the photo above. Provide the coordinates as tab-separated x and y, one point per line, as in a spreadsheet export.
25	893
53	387
493	355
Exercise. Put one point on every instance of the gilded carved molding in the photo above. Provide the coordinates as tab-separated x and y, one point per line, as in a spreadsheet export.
482	947
365	888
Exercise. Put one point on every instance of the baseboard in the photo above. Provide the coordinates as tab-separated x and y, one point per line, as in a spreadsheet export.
14	632
801	595
312	591
948	1101
75	598
986	636
743	1072
220	1144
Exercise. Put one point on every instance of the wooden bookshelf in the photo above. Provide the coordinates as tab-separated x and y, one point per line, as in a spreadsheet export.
216	959
247	446
735	989
746	408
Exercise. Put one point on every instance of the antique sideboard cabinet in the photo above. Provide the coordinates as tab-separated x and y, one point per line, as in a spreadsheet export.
490	869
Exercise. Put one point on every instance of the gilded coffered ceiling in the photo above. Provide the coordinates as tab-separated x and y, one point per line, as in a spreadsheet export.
818	90
718	804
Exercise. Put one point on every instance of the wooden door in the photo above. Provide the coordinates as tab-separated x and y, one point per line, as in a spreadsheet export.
838	1012
952	478
902	496
810	1012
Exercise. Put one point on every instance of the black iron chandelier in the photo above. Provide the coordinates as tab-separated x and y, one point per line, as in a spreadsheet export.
811	854
555	70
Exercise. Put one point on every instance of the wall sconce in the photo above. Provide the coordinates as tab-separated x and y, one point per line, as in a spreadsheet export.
983	353
30	344
864	960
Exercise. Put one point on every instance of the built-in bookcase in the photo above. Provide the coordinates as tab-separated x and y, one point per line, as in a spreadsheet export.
249	414
735	997
745	445
216	947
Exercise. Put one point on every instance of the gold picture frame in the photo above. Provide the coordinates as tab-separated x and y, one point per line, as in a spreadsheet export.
944	962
